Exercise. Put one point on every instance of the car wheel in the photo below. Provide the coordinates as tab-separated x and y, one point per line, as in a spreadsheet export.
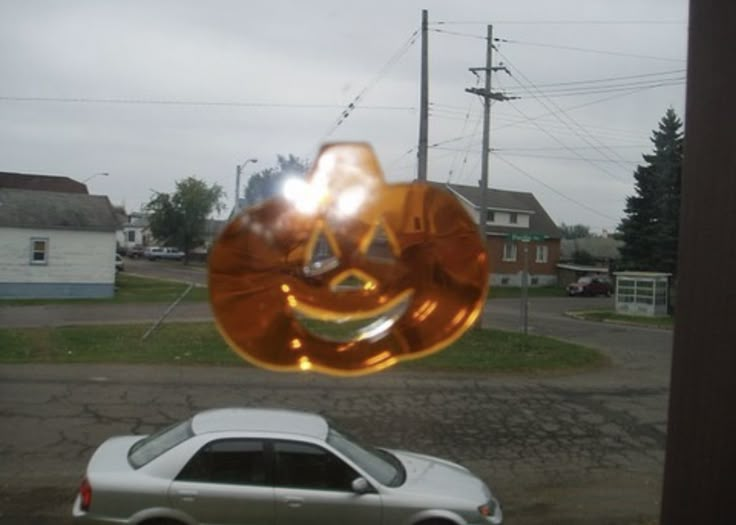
162	521
438	521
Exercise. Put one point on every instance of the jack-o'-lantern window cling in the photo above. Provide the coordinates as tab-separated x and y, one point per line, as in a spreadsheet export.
345	274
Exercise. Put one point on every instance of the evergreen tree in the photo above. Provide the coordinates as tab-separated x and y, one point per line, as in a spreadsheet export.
650	228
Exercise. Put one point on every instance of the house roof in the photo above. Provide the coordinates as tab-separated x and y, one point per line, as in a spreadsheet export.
513	201
27	181
55	210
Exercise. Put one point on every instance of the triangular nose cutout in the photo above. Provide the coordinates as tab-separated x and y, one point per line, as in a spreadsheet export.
323	257
381	246
351	281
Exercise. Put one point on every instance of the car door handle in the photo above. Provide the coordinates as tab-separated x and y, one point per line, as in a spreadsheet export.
294	503
187	495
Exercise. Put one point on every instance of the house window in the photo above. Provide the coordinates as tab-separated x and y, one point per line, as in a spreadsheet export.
39	251
509	251
490	216
131	235
513	218
542	254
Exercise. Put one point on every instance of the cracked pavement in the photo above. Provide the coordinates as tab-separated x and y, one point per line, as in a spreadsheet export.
563	449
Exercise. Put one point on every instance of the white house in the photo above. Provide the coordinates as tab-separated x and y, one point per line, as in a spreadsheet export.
133	231
56	245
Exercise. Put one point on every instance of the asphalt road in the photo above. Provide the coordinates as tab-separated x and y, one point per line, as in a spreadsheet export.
567	449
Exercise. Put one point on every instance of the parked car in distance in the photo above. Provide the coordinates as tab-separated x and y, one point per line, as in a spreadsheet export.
249	465
590	286
119	265
135	252
153	253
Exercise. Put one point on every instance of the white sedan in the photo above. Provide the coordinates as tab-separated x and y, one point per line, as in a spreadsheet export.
273	467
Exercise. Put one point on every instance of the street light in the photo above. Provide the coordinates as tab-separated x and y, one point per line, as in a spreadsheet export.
103	173
238	172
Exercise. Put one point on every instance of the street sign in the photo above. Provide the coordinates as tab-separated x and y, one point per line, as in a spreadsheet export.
526	237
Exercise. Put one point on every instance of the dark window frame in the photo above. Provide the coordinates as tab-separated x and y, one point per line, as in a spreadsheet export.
277	483
268	462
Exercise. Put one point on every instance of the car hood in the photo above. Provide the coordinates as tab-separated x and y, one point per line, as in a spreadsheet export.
112	455
431	475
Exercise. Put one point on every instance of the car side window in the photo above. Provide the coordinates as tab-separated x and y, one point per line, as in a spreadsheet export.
229	461
306	466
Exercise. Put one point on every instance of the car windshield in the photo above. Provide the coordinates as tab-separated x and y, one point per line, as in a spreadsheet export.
584	280
151	447
383	466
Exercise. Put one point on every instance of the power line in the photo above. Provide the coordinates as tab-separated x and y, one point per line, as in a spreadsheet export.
607	79
565	22
587	50
559	111
204	103
457	33
577	106
553	190
565	146
611	89
403	49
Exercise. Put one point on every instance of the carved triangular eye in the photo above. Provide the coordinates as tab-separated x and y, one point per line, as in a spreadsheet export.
353	280
381	245
322	254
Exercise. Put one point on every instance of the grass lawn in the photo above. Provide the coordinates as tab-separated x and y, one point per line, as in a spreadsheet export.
130	289
510	292
200	343
610	315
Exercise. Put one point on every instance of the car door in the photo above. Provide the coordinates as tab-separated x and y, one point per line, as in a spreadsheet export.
312	486
228	481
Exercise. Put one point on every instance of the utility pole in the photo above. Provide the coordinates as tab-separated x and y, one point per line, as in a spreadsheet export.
423	105
487	95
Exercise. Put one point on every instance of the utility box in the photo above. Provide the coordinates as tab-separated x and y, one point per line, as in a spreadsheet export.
642	293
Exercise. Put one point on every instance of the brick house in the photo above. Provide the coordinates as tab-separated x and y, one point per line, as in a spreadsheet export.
513	215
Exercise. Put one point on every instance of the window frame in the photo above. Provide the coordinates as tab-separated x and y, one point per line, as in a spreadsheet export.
268	463
33	261
490	216
513	217
509	246
278	484
544	249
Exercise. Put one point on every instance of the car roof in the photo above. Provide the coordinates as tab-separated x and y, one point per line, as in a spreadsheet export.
260	420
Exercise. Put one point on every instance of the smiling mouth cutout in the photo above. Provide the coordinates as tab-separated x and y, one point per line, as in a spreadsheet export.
368	325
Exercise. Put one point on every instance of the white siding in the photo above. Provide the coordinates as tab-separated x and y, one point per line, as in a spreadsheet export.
503	218
73	257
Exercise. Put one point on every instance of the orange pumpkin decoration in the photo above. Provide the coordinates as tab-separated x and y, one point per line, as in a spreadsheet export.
345	274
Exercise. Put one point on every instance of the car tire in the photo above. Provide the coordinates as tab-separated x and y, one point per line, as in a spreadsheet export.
162	521
436	521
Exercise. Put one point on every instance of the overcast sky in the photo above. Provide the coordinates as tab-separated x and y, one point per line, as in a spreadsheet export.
109	86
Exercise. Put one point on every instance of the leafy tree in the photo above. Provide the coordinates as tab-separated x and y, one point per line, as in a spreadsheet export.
650	228
179	219
574	231
583	257
267	182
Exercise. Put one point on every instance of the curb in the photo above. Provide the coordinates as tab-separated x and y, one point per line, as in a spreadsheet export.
579	315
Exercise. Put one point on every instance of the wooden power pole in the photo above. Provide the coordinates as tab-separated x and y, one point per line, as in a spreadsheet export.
488	96
423	105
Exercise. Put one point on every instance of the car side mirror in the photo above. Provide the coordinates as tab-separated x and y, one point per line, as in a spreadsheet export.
361	486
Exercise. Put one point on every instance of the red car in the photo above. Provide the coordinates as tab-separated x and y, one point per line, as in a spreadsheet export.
590	286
